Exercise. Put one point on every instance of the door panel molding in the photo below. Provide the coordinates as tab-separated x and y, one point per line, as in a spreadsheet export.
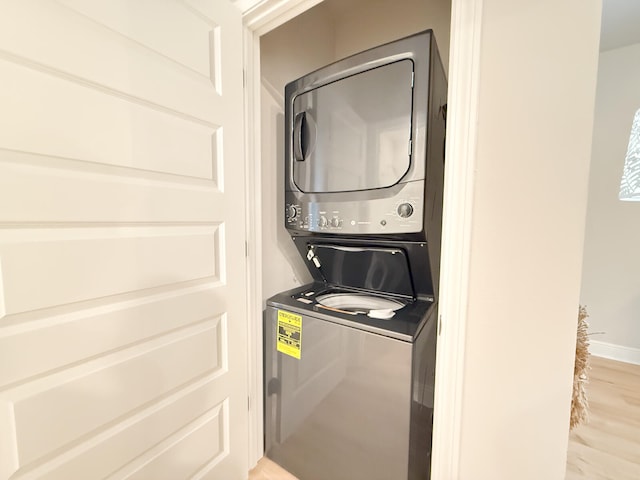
123	300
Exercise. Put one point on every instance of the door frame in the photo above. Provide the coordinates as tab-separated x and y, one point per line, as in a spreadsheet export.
466	19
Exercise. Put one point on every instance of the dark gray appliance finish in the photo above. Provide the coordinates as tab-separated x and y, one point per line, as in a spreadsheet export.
364	149
362	267
404	274
358	404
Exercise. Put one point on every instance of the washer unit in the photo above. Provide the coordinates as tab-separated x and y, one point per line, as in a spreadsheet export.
358	403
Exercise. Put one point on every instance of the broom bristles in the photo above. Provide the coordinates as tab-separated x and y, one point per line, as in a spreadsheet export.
579	403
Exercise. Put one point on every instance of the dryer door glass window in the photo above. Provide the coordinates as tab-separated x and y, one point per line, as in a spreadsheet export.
354	134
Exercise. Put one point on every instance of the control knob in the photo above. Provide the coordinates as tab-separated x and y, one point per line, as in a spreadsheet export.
335	222
405	210
292	213
323	222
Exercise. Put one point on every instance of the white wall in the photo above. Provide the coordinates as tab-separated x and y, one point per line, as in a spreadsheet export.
611	268
536	93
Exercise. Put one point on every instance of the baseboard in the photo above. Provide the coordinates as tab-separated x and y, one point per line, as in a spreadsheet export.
615	352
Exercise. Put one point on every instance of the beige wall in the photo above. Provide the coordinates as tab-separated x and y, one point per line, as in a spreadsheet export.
288	52
611	275
536	94
303	44
362	25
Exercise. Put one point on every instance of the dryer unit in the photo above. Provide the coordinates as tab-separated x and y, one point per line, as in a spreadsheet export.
364	147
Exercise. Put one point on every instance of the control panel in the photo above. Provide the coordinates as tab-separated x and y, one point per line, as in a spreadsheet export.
402	213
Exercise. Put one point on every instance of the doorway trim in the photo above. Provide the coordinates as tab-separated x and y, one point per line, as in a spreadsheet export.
457	221
466	22
263	17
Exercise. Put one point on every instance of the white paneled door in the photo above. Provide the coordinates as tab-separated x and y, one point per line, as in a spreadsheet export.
122	231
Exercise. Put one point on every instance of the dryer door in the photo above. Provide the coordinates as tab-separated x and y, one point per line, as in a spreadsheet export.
354	134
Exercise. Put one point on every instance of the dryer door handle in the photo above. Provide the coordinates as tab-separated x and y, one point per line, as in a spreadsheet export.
298	136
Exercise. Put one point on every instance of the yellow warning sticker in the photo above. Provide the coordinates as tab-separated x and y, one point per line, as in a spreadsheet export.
289	336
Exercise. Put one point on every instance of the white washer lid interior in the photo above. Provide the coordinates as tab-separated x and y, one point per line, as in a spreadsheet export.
355	301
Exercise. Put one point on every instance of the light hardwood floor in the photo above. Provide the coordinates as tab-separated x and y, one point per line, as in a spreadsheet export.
267	470
607	448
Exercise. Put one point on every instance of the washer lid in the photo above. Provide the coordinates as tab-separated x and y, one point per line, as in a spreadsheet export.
374	269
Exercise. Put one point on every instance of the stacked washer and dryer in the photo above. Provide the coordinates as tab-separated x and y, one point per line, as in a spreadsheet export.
350	358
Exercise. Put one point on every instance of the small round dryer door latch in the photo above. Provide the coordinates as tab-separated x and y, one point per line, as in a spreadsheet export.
405	210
